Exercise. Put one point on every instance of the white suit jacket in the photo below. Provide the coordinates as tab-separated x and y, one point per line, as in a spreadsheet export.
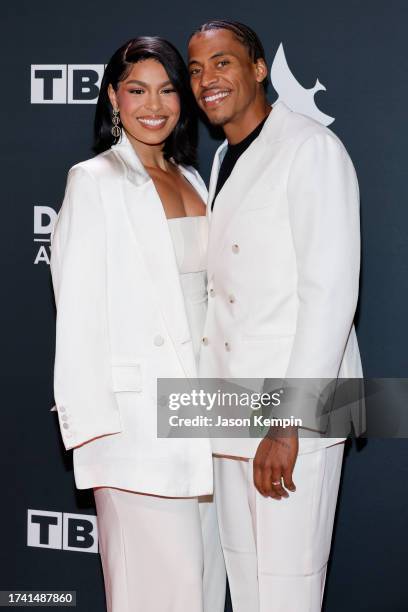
283	263
121	323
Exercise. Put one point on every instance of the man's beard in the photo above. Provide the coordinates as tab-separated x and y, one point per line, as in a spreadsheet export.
219	121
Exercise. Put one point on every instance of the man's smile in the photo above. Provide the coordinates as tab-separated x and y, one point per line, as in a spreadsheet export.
215	98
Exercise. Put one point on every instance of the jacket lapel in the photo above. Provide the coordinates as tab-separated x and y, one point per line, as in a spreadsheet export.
215	170
235	190
150	228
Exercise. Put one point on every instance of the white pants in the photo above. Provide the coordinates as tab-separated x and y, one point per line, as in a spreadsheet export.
276	552
159	554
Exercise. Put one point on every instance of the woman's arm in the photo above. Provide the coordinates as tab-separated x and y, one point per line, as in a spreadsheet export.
86	403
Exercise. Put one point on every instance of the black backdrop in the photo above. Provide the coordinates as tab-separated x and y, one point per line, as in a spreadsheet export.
358	50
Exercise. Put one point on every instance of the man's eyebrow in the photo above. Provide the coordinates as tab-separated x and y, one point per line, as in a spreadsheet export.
143	84
218	54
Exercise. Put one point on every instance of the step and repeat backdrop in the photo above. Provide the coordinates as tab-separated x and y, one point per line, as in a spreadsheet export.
342	62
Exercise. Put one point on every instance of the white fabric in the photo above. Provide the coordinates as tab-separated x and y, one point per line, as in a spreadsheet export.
164	553
276	552
159	554
190	241
284	241
121	323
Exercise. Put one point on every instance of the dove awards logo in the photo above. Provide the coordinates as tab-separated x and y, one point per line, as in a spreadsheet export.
44	219
292	93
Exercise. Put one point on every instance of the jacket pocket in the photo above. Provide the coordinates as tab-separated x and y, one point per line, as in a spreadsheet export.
127	377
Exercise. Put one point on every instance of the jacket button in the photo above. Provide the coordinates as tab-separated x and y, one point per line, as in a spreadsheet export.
158	340
235	248
227	346
61	408
65	425
212	292
231	299
204	340
64	417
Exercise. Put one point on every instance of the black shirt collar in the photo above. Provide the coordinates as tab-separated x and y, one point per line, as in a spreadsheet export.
240	147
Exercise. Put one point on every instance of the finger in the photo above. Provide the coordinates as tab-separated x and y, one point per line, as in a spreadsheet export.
258	479
267	478
271	472
276	484
287	480
273	489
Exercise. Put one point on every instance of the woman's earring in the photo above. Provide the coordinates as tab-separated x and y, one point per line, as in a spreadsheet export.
116	131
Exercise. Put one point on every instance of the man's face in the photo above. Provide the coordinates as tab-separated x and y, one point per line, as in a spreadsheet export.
224	79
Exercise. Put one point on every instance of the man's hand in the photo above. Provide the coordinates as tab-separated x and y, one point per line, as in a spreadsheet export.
274	460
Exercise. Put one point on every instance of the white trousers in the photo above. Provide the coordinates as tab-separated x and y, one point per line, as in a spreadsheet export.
276	552
159	554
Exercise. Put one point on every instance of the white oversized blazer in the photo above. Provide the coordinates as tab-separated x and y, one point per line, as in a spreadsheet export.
283	263
121	323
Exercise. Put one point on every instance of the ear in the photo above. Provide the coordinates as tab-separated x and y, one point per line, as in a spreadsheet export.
112	97
261	70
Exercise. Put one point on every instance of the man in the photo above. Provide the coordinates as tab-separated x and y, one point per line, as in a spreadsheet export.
283	274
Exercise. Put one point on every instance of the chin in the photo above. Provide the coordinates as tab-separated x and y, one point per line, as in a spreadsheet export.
219	120
151	139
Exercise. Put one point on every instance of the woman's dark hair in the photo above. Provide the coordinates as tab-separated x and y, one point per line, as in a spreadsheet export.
182	142
243	33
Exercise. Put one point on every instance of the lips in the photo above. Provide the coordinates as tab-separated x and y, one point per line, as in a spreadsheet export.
152	123
215	98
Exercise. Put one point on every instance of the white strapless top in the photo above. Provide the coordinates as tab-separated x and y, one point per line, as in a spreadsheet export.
190	237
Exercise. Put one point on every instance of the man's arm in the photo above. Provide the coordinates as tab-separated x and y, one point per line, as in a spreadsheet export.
323	205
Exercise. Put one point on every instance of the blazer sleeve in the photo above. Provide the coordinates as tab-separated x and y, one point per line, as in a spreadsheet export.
323	202
83	390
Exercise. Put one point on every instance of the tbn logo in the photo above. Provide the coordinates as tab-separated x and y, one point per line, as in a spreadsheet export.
62	530
65	84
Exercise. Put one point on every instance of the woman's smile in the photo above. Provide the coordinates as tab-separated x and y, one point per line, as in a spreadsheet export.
152	122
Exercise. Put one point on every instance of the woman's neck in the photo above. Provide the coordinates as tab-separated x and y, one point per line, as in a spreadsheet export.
151	156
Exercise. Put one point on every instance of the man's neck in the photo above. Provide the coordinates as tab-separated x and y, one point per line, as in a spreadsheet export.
245	123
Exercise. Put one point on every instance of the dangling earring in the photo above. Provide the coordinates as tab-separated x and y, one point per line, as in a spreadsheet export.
116	131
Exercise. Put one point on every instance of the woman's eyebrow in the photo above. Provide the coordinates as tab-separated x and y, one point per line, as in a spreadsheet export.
143	84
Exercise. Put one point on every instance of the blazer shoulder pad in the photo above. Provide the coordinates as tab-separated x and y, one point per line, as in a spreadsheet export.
99	167
304	128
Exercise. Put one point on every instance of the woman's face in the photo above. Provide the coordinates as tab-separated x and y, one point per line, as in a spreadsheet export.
149	105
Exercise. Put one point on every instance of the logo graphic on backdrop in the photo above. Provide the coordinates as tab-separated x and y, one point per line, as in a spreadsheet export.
292	93
62	530
65	83
79	84
44	219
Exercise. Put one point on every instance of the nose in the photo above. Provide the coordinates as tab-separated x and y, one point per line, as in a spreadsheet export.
153	102
208	77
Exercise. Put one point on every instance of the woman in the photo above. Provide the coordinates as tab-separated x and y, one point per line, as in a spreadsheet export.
128	260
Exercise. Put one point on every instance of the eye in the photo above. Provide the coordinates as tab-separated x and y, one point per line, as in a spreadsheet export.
194	71
169	90
136	91
222	63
